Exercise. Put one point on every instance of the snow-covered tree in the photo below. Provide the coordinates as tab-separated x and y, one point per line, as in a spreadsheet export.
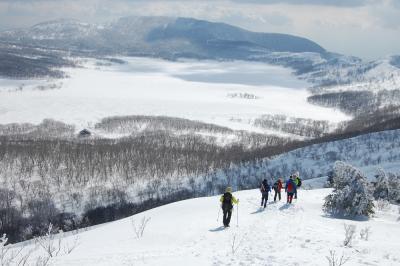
394	188
381	190
351	193
387	186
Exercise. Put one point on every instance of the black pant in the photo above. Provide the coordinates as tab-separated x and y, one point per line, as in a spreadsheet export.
277	192
227	214
264	199
290	197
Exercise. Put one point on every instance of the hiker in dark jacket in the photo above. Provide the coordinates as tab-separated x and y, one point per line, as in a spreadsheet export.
265	189
227	200
277	189
290	189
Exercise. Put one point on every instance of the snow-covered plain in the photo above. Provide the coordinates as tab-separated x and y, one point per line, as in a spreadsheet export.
197	90
188	233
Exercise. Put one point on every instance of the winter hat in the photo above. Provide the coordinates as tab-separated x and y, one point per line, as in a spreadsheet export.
228	189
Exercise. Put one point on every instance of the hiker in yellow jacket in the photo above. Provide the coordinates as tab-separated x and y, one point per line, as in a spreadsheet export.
227	200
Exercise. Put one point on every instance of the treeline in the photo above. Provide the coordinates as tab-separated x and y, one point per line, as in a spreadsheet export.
140	123
28	62
373	121
47	129
33	219
297	126
357	102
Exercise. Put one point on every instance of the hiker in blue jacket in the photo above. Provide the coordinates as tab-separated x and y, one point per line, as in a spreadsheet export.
290	189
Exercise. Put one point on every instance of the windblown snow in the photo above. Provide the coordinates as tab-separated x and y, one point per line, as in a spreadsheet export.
190	233
196	90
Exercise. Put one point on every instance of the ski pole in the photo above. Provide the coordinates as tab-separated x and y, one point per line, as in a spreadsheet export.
219	210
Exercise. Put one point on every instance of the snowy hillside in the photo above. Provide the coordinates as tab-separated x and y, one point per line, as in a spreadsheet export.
190	233
367	152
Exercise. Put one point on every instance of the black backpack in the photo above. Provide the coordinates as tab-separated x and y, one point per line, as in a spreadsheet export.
265	187
276	185
299	185
227	202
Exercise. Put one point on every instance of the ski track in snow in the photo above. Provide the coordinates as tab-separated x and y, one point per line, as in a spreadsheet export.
188	233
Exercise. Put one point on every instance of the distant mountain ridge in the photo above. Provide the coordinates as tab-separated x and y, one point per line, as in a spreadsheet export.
159	36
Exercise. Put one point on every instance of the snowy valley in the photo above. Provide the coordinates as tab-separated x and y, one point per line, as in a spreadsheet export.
122	135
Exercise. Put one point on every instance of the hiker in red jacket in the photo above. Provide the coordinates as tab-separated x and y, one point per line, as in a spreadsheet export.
277	189
290	189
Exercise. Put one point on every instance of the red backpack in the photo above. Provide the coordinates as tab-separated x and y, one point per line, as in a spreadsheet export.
290	187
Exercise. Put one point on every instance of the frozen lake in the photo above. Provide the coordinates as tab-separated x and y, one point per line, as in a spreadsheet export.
235	72
199	90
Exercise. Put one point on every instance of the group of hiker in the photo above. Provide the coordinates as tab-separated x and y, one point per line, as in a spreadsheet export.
227	199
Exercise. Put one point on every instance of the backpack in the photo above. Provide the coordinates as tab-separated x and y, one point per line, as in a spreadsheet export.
299	182
290	187
276	185
265	187
227	202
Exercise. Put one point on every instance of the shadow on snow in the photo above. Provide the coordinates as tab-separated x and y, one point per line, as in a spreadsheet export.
220	228
285	206
358	218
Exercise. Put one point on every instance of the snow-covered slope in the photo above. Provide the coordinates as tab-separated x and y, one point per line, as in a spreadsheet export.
188	233
367	152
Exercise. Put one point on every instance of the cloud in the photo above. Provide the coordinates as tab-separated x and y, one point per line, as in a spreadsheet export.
387	16
395	3
344	3
339	3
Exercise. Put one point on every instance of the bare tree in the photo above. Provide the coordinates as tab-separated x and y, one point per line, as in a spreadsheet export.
382	205
335	260
54	243
10	256
349	234
49	243
236	243
139	229
365	233
398	219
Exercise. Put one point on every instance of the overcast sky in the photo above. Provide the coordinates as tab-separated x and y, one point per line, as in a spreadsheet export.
365	28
